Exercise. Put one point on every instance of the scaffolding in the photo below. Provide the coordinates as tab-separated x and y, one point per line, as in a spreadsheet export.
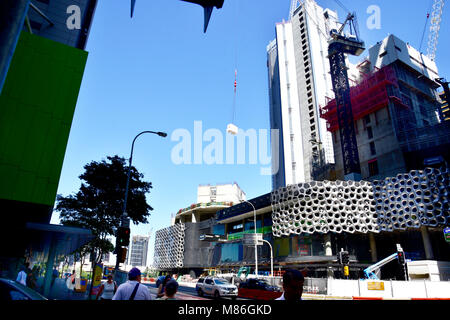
417	126
369	96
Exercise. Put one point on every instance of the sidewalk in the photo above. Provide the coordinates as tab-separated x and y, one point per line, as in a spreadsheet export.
59	291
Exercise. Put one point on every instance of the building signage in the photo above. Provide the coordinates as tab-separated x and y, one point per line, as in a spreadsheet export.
252	239
447	234
213	238
375	286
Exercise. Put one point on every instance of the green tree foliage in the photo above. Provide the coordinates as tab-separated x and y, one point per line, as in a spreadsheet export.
98	205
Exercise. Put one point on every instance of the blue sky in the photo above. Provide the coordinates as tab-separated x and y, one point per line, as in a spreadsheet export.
160	72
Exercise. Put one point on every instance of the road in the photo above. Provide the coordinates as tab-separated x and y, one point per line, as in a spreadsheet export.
184	293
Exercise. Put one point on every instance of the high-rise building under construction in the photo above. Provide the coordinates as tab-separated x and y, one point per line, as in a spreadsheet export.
299	82
397	117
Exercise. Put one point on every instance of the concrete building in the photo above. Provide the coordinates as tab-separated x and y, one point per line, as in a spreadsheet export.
189	224
396	112
35	120
139	250
299	82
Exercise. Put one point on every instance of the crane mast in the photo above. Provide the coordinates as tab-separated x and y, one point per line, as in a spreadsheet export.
338	46
436	18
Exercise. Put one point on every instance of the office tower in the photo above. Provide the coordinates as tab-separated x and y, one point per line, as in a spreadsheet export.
139	249
299	83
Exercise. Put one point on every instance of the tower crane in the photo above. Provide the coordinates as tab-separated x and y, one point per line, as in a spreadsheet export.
338	46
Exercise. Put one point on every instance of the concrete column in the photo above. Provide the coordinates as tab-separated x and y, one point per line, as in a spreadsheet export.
49	269
373	247
328	253
427	243
327	243
12	18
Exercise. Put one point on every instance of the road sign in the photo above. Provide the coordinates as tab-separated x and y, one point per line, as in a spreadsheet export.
447	234
252	239
213	238
375	286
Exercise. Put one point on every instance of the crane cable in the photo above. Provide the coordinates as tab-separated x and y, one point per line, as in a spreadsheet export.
425	27
233	117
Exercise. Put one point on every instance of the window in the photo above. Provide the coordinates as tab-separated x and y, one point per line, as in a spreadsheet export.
373	168
373	151
208	281
369	133
367	119
383	54
398	48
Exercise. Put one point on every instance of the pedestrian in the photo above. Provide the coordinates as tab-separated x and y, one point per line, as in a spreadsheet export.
171	289
132	289
107	289
22	276
162	286
32	277
70	282
292	285
55	274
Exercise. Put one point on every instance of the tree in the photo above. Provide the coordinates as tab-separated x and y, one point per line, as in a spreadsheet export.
98	205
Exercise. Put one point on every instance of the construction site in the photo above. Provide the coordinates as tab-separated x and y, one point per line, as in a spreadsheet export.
386	196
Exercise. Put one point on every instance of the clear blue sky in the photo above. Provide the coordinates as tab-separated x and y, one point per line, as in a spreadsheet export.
160	72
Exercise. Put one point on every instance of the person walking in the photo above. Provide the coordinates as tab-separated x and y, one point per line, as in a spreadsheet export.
22	276
70	282
107	289
162	286
171	289
55	274
132	289
292	285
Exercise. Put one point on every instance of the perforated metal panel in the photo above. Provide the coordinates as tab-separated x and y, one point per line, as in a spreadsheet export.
405	201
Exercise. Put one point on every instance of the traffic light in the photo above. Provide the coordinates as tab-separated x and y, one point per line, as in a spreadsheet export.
346	271
345	258
123	237
401	257
122	255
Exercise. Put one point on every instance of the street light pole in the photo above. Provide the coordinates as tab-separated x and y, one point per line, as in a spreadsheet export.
125	221
271	257
256	246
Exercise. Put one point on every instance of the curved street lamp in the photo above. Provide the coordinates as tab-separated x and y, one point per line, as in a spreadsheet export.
125	221
256	246
161	134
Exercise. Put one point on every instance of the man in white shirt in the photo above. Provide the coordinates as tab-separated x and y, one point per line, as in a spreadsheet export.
22	277
132	289
292	285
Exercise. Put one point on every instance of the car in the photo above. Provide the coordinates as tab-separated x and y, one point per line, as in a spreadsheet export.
216	287
258	289
12	290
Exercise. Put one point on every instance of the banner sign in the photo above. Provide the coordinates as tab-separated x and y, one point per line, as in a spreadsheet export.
97	279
